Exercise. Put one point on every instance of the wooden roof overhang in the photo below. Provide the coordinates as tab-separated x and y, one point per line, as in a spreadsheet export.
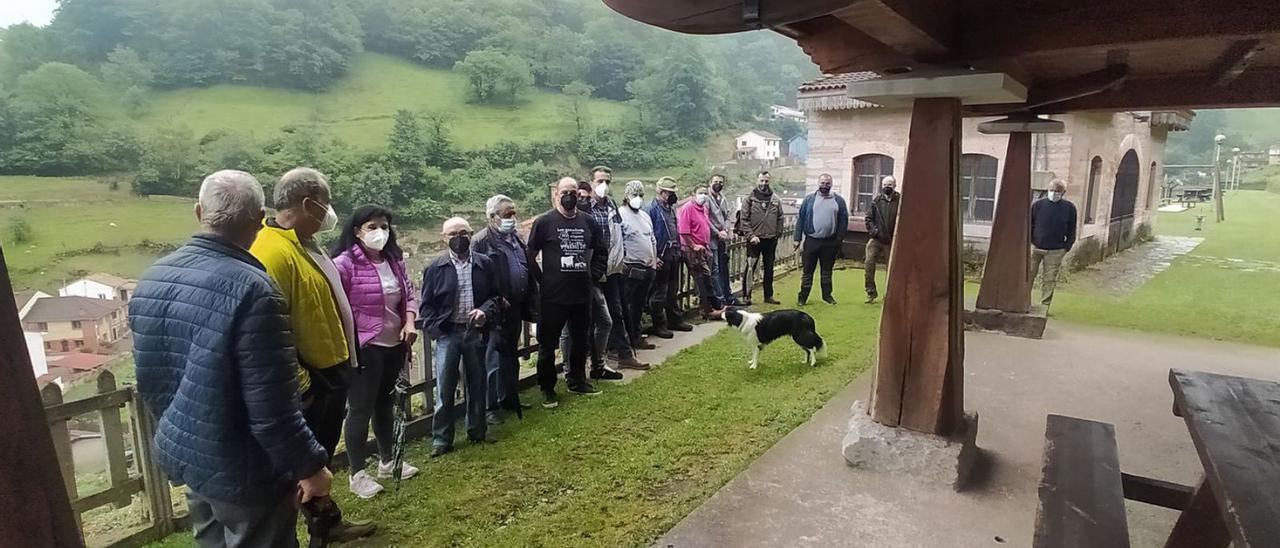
1072	54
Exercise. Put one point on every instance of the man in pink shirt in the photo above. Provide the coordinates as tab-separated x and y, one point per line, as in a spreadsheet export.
695	239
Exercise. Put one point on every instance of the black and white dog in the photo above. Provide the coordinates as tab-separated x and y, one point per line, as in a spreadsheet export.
762	329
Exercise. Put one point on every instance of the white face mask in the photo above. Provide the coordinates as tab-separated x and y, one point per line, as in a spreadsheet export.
635	202
507	226
376	239
602	190
1054	196
330	220
701	199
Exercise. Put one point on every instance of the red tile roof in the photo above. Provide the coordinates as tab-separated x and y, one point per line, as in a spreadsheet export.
836	81
79	361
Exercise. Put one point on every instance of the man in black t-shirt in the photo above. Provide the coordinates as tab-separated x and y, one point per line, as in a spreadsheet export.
573	256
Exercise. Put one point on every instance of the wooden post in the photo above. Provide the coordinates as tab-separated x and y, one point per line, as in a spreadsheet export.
35	502
113	435
154	484
919	378
1006	278
50	395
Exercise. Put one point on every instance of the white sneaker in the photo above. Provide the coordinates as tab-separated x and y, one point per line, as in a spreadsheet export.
406	470
364	486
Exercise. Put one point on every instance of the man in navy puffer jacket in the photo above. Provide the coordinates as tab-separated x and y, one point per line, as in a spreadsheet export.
216	365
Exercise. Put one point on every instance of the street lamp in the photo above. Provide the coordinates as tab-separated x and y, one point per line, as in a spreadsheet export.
1235	168
1217	175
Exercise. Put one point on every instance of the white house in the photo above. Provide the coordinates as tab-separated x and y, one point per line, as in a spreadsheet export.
759	145
779	112
27	299
100	286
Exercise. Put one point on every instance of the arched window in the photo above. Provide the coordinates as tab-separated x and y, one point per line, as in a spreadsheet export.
978	187
1091	192
868	170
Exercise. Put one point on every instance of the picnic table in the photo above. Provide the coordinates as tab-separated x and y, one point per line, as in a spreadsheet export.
1234	424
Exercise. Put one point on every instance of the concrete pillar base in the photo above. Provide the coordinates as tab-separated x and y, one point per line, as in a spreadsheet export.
945	462
1029	325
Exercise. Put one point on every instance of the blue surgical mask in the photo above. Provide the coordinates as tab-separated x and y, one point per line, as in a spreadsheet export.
507	226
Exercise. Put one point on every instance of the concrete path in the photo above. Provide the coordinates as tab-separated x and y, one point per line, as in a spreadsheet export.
666	348
801	493
1132	268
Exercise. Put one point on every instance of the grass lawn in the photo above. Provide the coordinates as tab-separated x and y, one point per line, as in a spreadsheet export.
359	108
1228	288
622	468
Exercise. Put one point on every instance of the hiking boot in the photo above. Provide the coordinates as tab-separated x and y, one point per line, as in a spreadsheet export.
493	417
347	530
682	326
660	333
584	389
771	300
406	470
487	438
829	300
631	362
438	451
549	399
871	299
641	344
364	486
605	374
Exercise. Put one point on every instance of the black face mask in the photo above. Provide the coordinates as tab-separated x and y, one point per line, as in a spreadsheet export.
717	187
569	201
460	244
888	191
824	190
672	198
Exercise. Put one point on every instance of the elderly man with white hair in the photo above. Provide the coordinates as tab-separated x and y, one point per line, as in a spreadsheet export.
882	217
216	364
500	241
460	302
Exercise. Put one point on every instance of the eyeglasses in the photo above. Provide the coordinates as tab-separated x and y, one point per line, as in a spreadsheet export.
462	232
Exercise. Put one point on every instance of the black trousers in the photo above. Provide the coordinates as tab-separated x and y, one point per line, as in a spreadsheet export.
502	365
324	404
553	317
664	300
761	255
371	397
637	282
817	252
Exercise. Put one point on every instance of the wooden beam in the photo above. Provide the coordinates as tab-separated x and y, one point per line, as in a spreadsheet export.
1200	525
836	47
922	30
1006	279
720	16
919	381
32	484
1254	88
1164	494
1236	59
1010	29
1050	93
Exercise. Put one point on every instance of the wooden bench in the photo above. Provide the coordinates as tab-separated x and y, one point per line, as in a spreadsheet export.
1081	493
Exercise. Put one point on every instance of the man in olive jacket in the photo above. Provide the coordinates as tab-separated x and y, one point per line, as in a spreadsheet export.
761	224
882	218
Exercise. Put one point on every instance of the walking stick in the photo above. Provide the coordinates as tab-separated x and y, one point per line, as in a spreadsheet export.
399	418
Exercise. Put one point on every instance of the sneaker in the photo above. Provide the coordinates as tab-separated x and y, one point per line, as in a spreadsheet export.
643	345
871	299
438	451
830	300
682	326
802	301
364	486
661	333
632	363
349	530
605	373
771	300
407	470
493	417
584	389
549	399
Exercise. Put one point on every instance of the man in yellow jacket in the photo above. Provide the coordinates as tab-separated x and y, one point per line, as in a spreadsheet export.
319	314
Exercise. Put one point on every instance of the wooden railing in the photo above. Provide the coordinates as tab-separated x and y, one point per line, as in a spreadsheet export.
125	481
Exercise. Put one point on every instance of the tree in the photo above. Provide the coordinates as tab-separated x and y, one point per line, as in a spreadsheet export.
578	93
611	67
58	116
678	97
495	77
169	164
124	70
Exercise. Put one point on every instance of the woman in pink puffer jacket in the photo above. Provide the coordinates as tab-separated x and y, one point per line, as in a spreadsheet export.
385	306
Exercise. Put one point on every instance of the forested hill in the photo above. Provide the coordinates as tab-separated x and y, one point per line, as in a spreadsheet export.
71	92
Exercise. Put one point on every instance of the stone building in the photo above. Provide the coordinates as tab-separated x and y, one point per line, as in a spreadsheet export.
1112	162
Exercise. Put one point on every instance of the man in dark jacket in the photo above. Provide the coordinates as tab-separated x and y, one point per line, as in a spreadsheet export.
1053	233
217	366
882	218
823	220
502	244
761	224
664	301
459	298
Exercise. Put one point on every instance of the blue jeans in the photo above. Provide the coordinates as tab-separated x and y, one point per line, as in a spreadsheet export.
720	272
466	348
618	340
502	365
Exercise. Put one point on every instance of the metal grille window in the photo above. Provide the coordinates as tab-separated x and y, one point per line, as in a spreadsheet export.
978	187
868	170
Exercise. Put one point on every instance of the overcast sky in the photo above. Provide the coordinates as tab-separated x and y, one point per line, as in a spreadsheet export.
38	12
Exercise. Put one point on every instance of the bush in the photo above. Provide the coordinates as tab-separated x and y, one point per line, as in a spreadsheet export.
1143	233
1086	252
19	230
496	77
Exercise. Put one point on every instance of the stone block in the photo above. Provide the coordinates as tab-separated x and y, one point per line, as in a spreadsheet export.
912	456
1029	325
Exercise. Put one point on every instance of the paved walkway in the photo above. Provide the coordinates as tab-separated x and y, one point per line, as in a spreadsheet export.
801	493
1132	268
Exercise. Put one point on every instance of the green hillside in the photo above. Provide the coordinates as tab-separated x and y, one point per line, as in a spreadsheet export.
1258	126
359	109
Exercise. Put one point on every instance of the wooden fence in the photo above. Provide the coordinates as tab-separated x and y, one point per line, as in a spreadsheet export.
125	481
